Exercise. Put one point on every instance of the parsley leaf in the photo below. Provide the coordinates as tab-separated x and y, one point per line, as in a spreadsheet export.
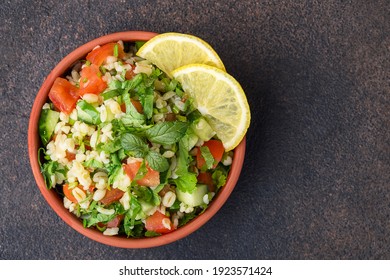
186	218
186	182
208	157
140	173
150	233
147	102
110	146
49	170
94	217
110	94
131	214
133	83
183	156
93	163
131	110
219	177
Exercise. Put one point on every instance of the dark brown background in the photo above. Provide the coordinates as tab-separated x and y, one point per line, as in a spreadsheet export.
316	180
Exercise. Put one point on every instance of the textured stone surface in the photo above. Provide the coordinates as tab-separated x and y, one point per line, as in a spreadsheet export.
316	180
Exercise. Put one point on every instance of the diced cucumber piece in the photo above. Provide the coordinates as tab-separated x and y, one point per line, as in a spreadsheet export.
87	113
119	180
195	198
147	210
192	138
147	207
47	124
202	128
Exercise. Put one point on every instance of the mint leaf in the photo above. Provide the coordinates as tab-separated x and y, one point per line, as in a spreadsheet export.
134	144
157	161
166	133
208	157
186	182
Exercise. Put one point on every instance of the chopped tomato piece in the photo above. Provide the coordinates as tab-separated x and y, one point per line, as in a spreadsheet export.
137	105
91	80
159	223
68	192
70	156
64	95
111	196
115	222
216	149
151	178
91	188
206	178
100	54
130	73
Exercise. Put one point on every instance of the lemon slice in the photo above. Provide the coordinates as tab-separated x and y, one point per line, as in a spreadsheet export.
169	51
219	98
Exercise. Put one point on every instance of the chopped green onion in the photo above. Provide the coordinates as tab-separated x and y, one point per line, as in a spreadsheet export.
116	50
175	109
110	94
73	185
103	70
139	44
164	110
181	118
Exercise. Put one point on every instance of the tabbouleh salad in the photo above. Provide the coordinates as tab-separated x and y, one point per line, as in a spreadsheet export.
125	148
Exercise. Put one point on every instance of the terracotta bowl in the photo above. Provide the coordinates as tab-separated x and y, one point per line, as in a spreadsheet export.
55	201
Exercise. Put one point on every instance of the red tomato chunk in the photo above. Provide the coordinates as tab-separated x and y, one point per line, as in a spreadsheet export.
91	80
64	95
100	54
159	223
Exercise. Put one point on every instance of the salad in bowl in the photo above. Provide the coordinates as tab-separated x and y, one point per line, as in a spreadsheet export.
134	148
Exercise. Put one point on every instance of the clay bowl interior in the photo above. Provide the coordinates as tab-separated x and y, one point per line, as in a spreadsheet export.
55	201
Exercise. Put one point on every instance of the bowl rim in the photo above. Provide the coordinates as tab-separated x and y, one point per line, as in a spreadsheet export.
54	200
